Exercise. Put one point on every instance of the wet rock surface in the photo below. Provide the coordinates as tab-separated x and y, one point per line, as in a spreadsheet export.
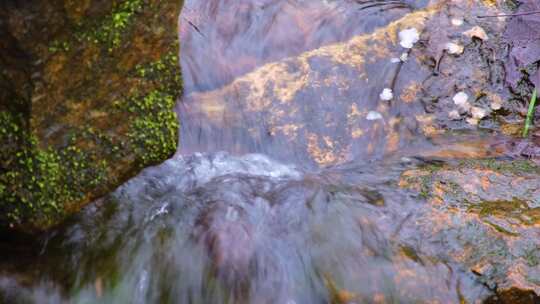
296	108
523	34
363	98
314	108
392	172
88	90
484	214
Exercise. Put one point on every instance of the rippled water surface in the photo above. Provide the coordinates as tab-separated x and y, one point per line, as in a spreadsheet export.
281	191
223	229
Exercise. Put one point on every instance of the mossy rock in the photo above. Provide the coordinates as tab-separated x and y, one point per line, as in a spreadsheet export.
86	102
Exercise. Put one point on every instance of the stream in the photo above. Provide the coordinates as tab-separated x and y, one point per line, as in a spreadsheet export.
286	187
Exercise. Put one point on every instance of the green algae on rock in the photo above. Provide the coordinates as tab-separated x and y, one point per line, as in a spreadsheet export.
93	106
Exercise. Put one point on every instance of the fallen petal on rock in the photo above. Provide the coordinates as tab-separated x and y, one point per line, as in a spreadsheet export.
373	115
454	48
387	94
461	100
454	115
476	32
457	22
478	113
408	37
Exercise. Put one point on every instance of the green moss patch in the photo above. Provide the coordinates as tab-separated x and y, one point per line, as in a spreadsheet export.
40	184
429	177
107	31
153	133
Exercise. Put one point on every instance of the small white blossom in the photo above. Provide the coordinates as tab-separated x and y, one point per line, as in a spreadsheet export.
496	106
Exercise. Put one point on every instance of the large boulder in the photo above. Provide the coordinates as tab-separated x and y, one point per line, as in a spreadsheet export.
86	101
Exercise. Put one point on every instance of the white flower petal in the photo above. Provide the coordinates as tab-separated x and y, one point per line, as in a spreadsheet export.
454	48
477	32
457	22
408	37
387	94
478	113
461	100
372	115
454	115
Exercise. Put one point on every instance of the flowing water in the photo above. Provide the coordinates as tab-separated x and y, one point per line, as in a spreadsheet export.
281	77
281	191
